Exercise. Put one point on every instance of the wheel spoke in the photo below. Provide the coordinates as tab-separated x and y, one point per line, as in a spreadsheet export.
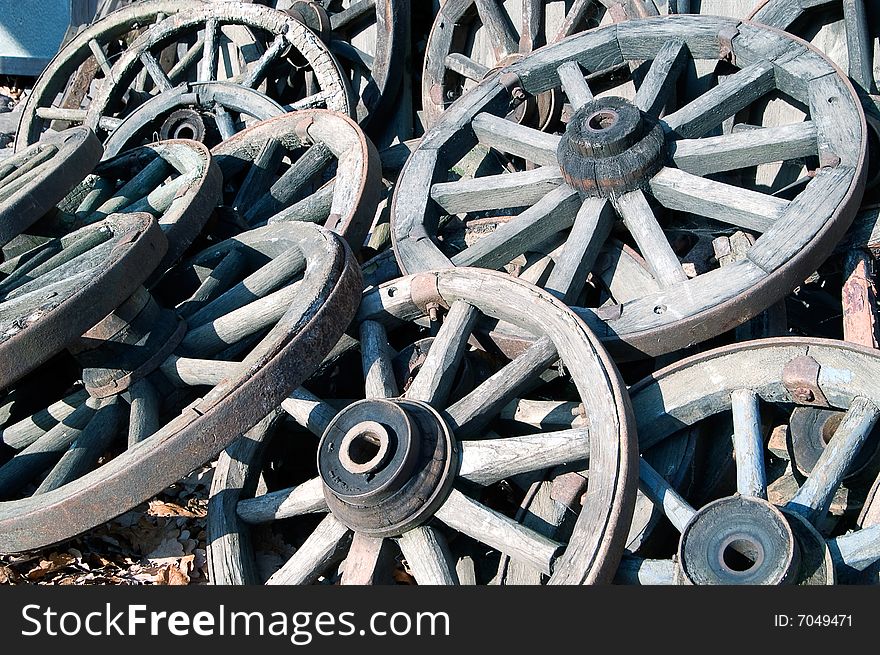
502	191
492	460
659	491
363	561
101	58
224	121
857	550
25	432
208	69
814	497
661	78
590	231
638	571
221	278
643	226
502	35
858	43
517	140
733	93
573	18
748	444
160	79
576	88
434	380
309	411
144	416
148	179
532	12
379	379
261	174
188	59
305	498
61	114
553	213
354	12
465	66
744	149
323	547
258	69
499	532
750	210
427	556
189	372
471	413
544	413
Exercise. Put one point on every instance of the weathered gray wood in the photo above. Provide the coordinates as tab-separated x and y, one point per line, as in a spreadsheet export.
465	66
682	191
433	382
625	273
324	546
857	550
186	371
748	444
468	416
364	559
154	69
576	88
466	571
639	219
814	497
208	68
150	177
661	78
501	33
554	212
837	121
497	531
428	557
257	69
519	189
779	13
24	432
745	149
489	461
732	94
858	43
144	415
158	201
305	498
260	176
506	136
379	379
661	493
637	571
309	411
216	283
545	413
858	299
591	228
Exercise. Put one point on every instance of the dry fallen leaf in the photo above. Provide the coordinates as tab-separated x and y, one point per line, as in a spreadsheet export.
160	508
171	575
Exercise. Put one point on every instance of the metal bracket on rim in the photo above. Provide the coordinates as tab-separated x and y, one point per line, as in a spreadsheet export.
801	378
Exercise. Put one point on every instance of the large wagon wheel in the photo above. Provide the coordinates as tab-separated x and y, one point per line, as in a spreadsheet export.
746	538
315	166
63	90
230	61
412	468
177	385
368	37
471	39
35	179
616	154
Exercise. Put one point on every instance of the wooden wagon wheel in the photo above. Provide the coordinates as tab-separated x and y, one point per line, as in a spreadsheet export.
315	166
177	385
35	179
63	90
258	50
411	469
368	37
615	154
472	39
746	538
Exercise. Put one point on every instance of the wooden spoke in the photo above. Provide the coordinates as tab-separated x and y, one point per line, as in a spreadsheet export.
23	433
681	191
502	191
208	69
61	114
553	213
355	12
427	556
732	94
857	550
544	413
139	187
193	53
638	571
501	33
306	498
576	88
224	121
517	140
465	66
492	460
573	18
499	532
748	444
221	278
186	371
433	382
309	411
258	69
471	413
154	69
324	546
639	219
101	58
90	444
363	560
659	82
659	491
261	174
313	101
814	497
532	13
144	416
745	149
859	45
579	253
379	379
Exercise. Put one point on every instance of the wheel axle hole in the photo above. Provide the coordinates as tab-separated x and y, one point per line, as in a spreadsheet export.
364	448
602	120
830	427
741	555
185	131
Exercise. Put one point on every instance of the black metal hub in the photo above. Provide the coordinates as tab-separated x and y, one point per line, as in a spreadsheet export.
810	431
610	147
183	124
745	541
387	465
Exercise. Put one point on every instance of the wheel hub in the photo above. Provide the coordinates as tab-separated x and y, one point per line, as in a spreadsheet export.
183	124
810	431
610	147
387	465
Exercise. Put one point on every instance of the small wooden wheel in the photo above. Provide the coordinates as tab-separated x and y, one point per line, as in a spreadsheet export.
175	374
621	210
472	39
369	38
314	166
428	469
267	57
35	179
767	532
64	88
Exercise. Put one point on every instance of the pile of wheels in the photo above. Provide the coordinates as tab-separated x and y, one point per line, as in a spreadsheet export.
508	293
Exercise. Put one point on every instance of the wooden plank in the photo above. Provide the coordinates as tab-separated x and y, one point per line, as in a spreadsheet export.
662	76
507	190
748	444
838	122
515	139
642	40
